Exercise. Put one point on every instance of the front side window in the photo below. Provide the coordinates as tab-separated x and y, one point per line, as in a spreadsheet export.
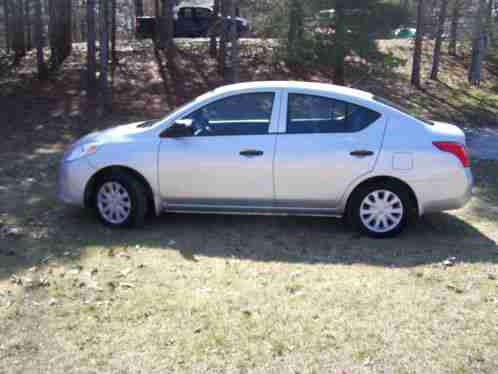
246	114
187	13
309	114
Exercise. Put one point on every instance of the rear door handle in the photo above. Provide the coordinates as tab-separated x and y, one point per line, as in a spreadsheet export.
361	153
251	153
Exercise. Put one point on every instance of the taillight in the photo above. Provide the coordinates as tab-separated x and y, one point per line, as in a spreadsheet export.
456	149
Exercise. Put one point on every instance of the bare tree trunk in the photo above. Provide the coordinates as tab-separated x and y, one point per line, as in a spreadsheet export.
40	60
489	20
19	41
339	44
6	14
104	55
114	57
157	13
60	31
91	54
295	29
167	27
139	8
232	68
83	25
439	40
67	19
75	32
222	52
27	24
455	19
417	52
213	43
477	47
52	27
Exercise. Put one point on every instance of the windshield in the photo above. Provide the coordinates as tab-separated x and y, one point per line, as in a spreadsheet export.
402	109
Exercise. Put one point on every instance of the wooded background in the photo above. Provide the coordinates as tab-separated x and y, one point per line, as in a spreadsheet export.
52	26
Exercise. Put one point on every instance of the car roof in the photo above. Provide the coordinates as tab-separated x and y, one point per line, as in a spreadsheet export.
313	86
196	4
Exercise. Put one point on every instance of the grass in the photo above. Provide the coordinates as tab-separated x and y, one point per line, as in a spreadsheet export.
233	294
242	294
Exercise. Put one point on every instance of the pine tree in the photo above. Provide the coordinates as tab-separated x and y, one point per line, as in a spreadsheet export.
352	25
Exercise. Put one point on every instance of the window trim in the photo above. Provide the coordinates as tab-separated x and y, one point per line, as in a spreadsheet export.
284	112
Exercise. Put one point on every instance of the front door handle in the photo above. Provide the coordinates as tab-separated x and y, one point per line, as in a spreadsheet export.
251	153
361	153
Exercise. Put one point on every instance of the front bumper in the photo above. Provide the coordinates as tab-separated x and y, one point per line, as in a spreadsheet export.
72	180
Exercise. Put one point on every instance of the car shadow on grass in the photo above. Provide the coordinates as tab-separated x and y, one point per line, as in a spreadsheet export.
431	240
307	240
53	232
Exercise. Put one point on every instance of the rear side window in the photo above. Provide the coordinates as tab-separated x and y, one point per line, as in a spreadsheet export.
310	114
402	110
202	13
246	114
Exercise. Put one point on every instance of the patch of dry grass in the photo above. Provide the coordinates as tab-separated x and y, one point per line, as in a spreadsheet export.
243	294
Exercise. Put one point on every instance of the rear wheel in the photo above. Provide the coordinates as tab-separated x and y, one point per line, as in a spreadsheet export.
120	200
380	210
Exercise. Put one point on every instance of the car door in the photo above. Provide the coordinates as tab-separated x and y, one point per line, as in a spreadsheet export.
185	25
228	162
324	145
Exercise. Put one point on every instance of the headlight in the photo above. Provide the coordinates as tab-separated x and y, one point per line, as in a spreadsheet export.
83	150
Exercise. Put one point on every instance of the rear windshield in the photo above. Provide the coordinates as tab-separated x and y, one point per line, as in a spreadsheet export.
402	109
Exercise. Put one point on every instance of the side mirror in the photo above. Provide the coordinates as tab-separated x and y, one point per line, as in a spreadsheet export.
180	129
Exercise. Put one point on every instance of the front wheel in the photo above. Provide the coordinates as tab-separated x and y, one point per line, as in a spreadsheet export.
380	210
120	200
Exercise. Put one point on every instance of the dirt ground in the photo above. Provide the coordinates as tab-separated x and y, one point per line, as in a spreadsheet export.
221	294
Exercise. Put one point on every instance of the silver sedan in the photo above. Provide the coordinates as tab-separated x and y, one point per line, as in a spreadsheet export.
273	148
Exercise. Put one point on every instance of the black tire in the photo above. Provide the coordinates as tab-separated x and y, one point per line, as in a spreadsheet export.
360	194
137	197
